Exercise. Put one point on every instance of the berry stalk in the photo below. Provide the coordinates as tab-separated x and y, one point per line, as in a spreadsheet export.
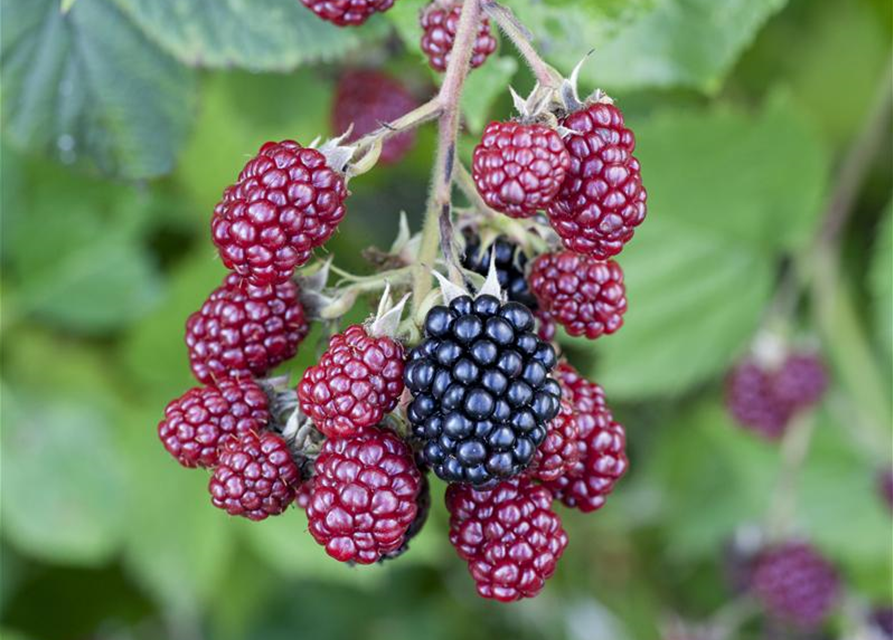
438	226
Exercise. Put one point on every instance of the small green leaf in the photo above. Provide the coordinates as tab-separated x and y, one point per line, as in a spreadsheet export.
63	480
262	35
88	84
85	269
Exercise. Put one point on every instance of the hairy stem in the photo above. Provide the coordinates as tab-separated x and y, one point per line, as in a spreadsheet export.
409	120
523	41
437	228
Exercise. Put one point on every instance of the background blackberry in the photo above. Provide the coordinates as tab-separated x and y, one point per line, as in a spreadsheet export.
482	395
510	266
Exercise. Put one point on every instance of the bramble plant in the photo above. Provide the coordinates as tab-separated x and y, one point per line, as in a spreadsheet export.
465	328
468	386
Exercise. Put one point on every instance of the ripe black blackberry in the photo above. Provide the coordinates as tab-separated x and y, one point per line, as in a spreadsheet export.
482	395
510	264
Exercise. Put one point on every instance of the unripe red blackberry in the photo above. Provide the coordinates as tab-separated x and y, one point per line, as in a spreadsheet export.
286	202
423	504
196	423
885	484
482	395
561	450
602	200
801	381
518	168
243	331
882	621
365	99
356	383
602	445
582	294
764	399
364	496
256	476
509	535
510	265
751	400
796	584
440	22
545	325
347	13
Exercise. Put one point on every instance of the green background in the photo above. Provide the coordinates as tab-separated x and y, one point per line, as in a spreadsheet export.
123	120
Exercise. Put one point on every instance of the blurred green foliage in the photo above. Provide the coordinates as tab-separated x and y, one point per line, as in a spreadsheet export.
124	119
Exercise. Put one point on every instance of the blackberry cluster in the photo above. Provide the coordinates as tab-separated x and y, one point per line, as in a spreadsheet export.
509	536
440	23
602	200
557	456
242	330
510	265
286	202
365	495
795	584
198	422
255	477
584	295
482	395
518	168
347	13
357	381
601	460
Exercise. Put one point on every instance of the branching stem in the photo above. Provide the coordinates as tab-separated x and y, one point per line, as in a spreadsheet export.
437	230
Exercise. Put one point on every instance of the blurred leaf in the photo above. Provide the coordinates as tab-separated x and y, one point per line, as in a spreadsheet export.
262	35
153	350
483	87
86	269
839	508
881	282
712	476
9	634
240	106
87	84
178	543
64	495
691	43
701	268
809	49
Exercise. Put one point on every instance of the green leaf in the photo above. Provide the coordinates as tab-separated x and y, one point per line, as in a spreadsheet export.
153	351
240	105
711	476
63	480
837	496
177	543
880	282
262	35
88	84
700	269
483	87
85	269
664	43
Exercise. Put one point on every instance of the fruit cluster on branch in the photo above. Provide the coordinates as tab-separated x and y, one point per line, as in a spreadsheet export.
470	386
